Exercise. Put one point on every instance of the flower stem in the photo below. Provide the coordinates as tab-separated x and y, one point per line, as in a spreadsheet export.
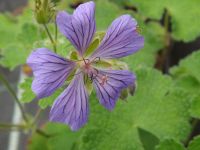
12	92
56	32
50	37
11	126
163	57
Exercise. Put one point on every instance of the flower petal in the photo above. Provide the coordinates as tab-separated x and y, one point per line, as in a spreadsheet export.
109	91
120	40
50	71
80	27
71	107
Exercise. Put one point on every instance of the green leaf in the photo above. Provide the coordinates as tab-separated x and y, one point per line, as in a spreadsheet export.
27	94
184	27
24	34
186	76
157	107
106	12
48	101
149	141
188	66
195	107
61	138
194	144
170	144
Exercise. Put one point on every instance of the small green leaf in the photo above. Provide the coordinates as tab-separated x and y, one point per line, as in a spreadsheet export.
27	94
48	101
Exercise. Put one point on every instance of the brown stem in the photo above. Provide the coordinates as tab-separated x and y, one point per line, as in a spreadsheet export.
164	54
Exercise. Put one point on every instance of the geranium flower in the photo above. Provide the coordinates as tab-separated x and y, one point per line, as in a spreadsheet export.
51	70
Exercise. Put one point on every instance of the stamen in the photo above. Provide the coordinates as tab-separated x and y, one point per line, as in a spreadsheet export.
95	61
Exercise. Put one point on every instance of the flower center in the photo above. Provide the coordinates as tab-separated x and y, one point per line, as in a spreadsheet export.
92	72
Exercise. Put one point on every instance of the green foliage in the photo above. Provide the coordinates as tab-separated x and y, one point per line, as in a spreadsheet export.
184	27
48	101
60	138
170	145
194	144
186	75
24	33
106	12
28	95
188	66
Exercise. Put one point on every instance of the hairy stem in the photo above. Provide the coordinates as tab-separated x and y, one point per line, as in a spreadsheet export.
12	92
50	37
56	32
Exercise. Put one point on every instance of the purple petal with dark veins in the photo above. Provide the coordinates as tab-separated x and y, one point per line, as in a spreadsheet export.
50	71
120	40
80	27
108	92
71	107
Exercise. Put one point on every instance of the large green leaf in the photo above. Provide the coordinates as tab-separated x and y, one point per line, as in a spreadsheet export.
184	27
157	107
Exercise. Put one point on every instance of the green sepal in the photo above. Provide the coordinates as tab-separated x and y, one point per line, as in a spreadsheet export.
88	84
124	94
132	89
95	43
119	65
73	55
92	47
71	75
102	64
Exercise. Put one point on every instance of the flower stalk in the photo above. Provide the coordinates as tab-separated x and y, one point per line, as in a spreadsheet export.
50	37
12	92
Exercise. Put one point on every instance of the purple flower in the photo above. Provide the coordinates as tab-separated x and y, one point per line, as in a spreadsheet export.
51	71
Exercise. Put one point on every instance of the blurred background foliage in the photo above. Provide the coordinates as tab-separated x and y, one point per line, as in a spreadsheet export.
162	115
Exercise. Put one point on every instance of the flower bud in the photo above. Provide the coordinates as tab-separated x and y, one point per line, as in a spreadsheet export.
44	11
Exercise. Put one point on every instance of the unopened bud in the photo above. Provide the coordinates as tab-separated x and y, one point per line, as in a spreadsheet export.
44	11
